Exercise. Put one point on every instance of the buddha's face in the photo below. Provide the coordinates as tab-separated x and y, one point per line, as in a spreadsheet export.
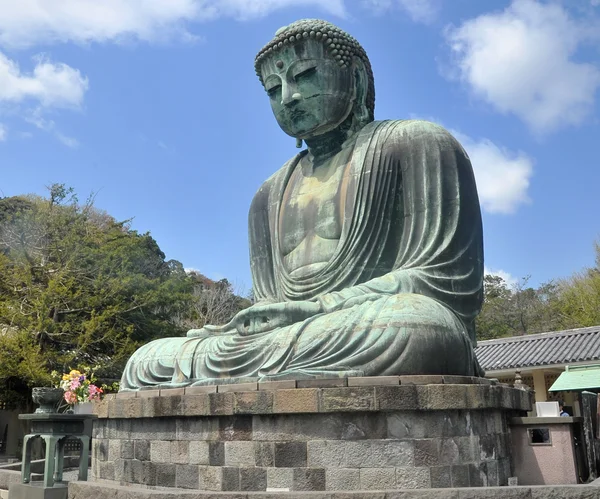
310	93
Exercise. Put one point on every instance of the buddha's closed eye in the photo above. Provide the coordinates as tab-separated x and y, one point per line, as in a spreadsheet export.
305	73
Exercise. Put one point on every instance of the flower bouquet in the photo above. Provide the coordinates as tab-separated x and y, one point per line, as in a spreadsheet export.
79	388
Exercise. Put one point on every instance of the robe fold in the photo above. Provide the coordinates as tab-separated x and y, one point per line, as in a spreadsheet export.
399	295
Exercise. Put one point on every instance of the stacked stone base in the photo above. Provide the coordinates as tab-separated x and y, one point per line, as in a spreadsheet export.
378	437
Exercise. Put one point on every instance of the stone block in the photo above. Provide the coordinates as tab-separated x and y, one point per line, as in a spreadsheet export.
442	397
141	450
237	387
322	383
413	478
342	479
157	429
308	479
180	452
347	399
441	476
149	407
421	379
220	404
114	450
210	478
377	478
106	470
277	385
160	451
166	475
436	452
197	404
492	474
127	449
398	398
101	447
170	392
126	395
35	491
476	396
198	452
565	491
457	380
239	453
281	478
478	475
199	390
487	447
170	406
230	478
253	479
296	401
100	408
264	454
134	471
374	381
235	428
290	454
197	429
468	449
216	453
255	402
460	475
354	454
186	476
147	393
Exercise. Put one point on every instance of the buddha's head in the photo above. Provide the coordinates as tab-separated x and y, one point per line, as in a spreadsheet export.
318	79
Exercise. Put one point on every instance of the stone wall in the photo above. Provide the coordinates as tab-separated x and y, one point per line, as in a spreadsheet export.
313	439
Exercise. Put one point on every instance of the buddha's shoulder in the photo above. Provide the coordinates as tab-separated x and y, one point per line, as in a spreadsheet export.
410	132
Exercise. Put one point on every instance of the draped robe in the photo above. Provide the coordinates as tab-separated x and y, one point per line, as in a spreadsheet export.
399	295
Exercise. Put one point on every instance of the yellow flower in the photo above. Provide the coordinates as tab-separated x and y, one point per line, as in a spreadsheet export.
65	377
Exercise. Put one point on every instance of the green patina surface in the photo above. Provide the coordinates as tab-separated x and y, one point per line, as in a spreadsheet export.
366	248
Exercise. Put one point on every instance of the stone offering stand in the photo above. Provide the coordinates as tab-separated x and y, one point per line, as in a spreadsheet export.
379	433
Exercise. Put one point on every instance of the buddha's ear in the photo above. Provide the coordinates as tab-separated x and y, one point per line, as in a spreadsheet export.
361	111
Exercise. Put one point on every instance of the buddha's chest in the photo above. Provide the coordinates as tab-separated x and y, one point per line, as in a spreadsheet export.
310	220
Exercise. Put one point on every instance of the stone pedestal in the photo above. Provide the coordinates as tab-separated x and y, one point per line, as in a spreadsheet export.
405	432
37	491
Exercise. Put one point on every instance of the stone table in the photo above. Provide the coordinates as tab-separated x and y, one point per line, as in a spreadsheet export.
55	429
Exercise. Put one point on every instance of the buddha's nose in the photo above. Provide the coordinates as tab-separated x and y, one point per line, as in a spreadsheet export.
290	96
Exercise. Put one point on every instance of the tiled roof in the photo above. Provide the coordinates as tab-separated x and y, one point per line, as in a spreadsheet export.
558	347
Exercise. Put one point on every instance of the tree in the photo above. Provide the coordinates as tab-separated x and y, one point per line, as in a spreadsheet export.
213	302
78	287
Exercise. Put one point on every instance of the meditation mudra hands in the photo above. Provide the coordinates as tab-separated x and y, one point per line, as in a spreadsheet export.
261	318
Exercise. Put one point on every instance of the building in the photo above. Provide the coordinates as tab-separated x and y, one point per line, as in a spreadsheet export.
542	358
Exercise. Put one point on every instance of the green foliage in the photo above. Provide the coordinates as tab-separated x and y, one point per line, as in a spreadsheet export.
520	309
78	287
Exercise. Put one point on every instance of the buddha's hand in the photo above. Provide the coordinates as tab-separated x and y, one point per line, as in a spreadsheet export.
261	318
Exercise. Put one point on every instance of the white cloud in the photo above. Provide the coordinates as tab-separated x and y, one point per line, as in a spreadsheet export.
502	176
3	132
508	278
50	84
29	22
36	118
522	62
421	11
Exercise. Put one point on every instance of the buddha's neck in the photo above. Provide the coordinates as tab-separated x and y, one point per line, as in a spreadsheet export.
323	147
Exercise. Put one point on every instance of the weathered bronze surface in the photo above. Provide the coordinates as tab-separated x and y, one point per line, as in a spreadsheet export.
366	248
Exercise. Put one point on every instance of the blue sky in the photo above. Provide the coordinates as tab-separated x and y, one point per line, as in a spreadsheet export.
155	106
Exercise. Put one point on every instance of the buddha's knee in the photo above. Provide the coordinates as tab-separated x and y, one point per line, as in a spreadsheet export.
418	312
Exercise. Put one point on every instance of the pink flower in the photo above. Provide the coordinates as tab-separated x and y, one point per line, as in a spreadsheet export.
95	392
75	384
70	398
